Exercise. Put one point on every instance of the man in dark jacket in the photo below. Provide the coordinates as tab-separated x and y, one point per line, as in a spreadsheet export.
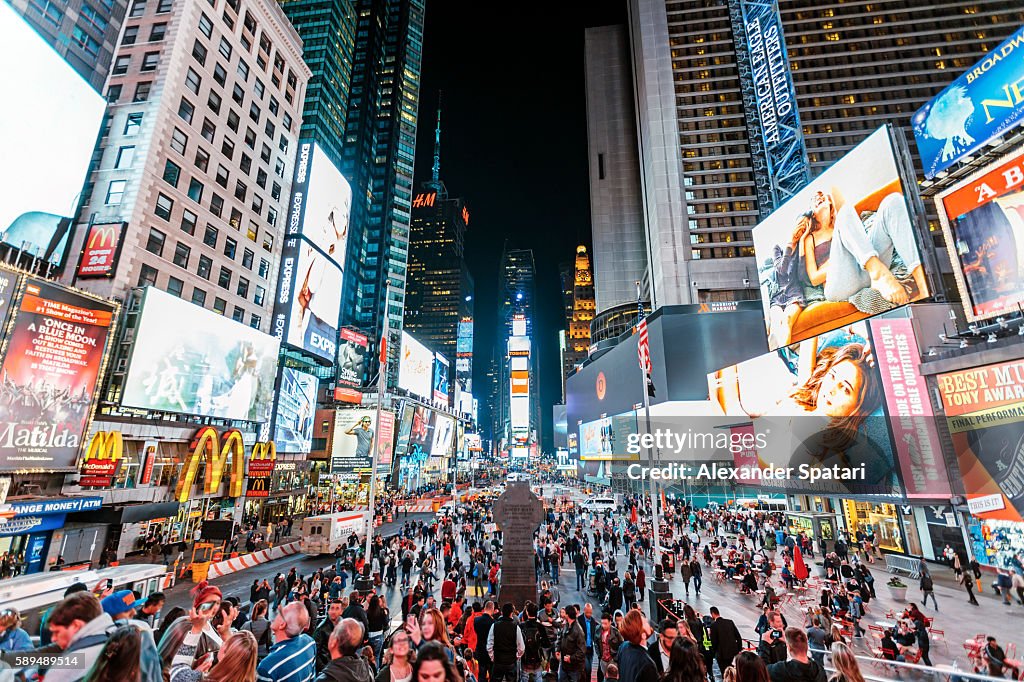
355	610
772	647
482	626
537	641
799	668
323	631
346	665
609	639
660	649
505	646
726	641
572	650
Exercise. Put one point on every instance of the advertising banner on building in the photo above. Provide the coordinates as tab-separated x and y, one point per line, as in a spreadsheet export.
421	431
309	300
444	429
8	290
983	223
983	103
54	354
352	351
772	84
355	441
985	413
842	249
415	370
911	417
296	406
191	360
817	410
260	472
440	378
100	250
321	203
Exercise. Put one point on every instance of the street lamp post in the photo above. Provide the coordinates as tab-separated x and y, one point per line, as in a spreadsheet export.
382	382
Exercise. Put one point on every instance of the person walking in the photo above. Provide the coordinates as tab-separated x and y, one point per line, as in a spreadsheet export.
726	641
927	587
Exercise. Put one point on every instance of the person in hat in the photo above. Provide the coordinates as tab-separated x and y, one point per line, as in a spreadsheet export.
201	637
120	605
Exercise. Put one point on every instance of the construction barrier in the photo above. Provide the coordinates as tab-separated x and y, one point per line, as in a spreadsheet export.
245	561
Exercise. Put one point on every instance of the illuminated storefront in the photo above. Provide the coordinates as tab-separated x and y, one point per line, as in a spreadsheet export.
998	543
878	518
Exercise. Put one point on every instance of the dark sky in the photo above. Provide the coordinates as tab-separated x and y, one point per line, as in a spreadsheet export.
514	145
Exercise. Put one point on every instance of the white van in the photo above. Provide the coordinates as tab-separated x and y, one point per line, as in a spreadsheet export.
325	533
599	504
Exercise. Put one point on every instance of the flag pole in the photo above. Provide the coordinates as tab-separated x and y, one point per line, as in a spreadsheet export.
644	357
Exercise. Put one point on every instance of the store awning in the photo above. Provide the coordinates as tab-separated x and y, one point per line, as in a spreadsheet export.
129	513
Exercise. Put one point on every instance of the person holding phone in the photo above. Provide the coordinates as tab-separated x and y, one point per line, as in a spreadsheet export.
202	638
772	647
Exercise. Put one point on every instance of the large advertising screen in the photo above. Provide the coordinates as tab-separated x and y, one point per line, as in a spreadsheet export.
842	249
415	370
191	360
440	378
983	103
421	431
817	405
983	222
296	407
309	300
48	128
984	409
356	440
54	355
351	357
444	429
321	203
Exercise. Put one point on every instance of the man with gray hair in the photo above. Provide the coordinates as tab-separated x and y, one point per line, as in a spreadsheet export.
293	656
346	664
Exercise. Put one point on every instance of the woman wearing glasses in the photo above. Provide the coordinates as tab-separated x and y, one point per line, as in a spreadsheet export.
398	659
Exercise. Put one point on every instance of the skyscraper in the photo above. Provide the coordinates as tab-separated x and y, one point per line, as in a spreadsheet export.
517	342
85	32
704	178
439	289
577	342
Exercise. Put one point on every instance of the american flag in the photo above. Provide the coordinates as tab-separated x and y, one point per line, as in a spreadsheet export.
643	348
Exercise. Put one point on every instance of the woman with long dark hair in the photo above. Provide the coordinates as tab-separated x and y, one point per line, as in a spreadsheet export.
120	660
749	667
434	665
685	663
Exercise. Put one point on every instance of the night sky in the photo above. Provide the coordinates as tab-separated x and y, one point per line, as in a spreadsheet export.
514	145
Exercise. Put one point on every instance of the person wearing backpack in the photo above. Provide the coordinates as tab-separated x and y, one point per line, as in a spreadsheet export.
927	587
609	639
537	641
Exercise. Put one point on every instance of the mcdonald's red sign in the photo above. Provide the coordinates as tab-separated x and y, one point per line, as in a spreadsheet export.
100	250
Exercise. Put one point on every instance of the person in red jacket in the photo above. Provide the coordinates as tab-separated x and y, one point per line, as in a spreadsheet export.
468	632
448	588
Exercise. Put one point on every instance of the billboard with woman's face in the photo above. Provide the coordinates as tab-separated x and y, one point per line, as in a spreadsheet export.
842	249
820	405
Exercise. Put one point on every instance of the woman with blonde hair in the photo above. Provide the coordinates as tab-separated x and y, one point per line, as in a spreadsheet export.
845	663
236	662
684	631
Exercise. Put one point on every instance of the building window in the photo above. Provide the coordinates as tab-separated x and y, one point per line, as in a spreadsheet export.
236	219
243	70
253	231
228	148
233	120
247	258
240	191
245	163
210	236
255	321
164	205
264	271
205	266
133	124
216	205
179	141
260	294
206	25
195	190
114	93
131	34
209	130
275	192
172	172
164	6
254	112
199	52
188	221
150	61
175	286
125	157
182	253
279	168
202	159
214	102
142	91
138	8
222	176
199	296
157	34
193	81
243	287
238	314
115	192
272	217
121	65
220	305
219	74
268	242
230	247
186	110
147	276
224	280
225	48
155	243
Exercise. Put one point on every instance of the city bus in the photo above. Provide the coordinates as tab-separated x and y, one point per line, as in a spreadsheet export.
327	533
32	594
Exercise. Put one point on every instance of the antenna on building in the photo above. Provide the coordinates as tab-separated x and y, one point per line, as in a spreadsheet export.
435	172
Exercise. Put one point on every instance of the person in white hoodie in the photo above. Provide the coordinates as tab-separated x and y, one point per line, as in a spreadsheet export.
79	626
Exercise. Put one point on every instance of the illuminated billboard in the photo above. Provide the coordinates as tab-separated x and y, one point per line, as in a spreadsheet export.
842	249
351	357
464	339
415	369
314	303
444	429
519	412
983	223
983	103
355	441
440	378
54	355
100	250
296	407
321	203
191	360
49	122
421	430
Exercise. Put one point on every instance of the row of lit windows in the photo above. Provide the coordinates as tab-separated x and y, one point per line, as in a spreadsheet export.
148	276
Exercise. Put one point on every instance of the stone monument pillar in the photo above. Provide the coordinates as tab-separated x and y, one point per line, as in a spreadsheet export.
518	512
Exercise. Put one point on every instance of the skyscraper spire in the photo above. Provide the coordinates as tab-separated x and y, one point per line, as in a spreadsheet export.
435	177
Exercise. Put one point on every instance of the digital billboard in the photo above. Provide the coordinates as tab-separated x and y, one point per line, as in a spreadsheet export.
421	430
983	103
351	357
519	413
983	223
415	370
191	360
296	407
100	250
820	405
321	203
309	300
444	429
464	339
54	355
984	409
842	249
49	123
440	378
8	290
355	441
